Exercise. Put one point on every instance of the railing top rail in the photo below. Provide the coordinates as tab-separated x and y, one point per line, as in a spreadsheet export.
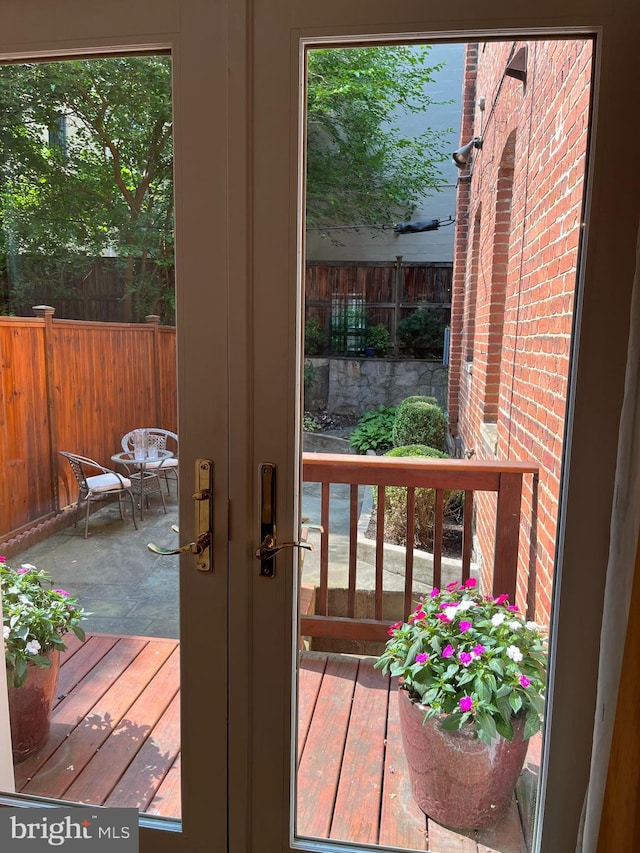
410	471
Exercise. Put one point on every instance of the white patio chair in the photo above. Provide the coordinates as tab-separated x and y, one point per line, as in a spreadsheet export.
98	486
161	439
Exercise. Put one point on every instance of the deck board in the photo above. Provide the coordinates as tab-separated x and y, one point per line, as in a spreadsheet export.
357	805
115	741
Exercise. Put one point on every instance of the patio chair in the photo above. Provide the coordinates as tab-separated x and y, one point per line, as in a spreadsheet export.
98	486
161	439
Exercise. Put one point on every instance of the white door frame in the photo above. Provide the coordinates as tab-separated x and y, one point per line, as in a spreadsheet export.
195	31
595	396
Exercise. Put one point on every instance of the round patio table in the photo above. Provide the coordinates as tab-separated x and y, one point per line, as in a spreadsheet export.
142	471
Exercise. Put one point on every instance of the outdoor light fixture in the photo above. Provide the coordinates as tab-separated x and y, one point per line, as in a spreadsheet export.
462	156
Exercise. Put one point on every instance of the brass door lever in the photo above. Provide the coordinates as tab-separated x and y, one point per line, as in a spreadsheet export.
202	548
269	547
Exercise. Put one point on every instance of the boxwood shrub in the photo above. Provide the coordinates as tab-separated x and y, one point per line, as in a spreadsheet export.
419	420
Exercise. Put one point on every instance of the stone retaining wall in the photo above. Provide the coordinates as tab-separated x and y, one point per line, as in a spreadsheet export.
357	385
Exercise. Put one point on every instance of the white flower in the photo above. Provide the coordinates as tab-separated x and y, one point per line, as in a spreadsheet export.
6	630
514	625
465	605
514	653
498	618
27	566
33	647
532	626
450	613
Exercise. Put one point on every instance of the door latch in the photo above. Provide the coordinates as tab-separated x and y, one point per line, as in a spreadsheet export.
269	545
203	497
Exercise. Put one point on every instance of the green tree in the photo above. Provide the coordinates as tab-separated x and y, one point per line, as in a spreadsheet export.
360	167
104	187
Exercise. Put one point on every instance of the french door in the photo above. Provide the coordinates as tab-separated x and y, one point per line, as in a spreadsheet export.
190	38
237	77
280	34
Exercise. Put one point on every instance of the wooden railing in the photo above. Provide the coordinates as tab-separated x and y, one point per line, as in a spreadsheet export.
505	479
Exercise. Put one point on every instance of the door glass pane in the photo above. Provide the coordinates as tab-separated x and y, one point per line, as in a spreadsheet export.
444	211
88	348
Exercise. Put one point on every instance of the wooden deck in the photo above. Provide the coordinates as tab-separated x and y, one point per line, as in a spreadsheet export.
115	741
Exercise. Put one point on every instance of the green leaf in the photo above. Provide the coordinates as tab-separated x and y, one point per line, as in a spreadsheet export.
486	727
515	700
531	725
452	722
79	632
497	666
504	707
504	728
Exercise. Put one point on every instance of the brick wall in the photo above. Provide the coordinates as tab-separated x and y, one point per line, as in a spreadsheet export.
514	280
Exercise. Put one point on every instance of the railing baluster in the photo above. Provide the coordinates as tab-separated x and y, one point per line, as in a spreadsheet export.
467	535
411	535
353	549
438	524
323	593
379	551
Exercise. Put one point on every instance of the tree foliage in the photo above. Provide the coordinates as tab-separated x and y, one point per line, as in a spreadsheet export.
103	187
361	169
106	187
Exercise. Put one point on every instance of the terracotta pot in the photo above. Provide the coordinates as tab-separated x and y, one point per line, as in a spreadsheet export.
455	778
30	707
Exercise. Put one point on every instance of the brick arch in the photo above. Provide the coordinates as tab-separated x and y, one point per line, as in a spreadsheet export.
499	270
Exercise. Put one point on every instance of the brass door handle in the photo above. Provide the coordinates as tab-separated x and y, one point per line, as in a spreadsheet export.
269	547
202	548
196	548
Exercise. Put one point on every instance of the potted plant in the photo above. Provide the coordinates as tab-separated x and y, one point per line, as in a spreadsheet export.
377	340
35	619
471	694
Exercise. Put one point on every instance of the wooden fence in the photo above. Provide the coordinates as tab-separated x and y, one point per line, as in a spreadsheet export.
390	291
77	386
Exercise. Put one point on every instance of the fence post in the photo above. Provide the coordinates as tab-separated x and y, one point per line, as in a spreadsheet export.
396	304
46	312
154	320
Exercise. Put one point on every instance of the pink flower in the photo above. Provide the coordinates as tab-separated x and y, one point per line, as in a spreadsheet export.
420	614
62	592
478	650
446	604
392	629
470	583
435	592
451	586
448	651
465	658
442	617
3	559
466	703
464	626
22	571
423	657
524	681
513	607
501	599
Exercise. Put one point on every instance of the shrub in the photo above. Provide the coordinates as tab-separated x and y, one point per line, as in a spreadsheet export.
395	509
314	336
419	421
373	431
422	333
379	338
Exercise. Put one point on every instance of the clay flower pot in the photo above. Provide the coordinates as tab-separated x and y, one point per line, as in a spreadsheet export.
456	779
30	708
